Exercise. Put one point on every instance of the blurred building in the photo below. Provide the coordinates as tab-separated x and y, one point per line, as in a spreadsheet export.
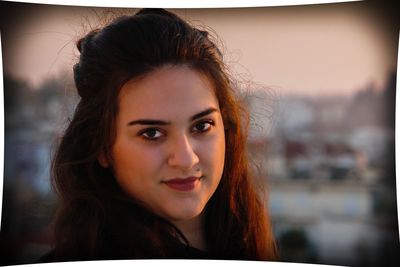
324	160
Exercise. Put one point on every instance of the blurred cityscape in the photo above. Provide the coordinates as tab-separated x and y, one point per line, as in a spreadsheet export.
328	163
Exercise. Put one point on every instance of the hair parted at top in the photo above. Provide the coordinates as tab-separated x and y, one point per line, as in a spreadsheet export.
134	45
96	219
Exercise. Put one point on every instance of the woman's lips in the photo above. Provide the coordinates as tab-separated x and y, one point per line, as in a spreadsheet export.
183	184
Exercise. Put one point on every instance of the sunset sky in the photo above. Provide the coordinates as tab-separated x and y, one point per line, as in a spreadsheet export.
324	49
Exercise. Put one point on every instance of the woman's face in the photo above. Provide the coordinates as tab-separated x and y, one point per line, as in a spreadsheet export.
170	144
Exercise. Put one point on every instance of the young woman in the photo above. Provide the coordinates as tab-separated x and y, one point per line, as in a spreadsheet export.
153	163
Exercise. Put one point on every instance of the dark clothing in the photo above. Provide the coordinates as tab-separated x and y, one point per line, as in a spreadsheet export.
144	236
182	251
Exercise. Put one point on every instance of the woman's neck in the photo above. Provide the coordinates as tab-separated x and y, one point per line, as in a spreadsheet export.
193	231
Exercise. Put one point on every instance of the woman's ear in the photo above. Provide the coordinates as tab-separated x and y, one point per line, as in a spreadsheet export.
103	161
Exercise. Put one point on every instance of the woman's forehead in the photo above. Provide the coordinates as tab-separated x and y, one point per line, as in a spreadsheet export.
168	92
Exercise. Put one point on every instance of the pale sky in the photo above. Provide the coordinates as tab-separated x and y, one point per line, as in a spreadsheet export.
316	50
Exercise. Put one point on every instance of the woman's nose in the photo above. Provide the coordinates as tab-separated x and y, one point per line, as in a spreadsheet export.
182	154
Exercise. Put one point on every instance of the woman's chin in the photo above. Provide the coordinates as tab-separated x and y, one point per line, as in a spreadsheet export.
183	215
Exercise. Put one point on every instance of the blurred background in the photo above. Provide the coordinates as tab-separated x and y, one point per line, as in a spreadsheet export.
319	82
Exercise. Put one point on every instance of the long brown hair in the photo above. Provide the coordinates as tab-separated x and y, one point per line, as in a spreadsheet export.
95	219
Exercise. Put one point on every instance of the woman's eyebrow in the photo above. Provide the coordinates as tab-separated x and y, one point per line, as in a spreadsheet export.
161	122
203	113
148	122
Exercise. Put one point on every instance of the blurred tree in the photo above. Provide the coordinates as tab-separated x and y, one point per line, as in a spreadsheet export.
17	93
295	246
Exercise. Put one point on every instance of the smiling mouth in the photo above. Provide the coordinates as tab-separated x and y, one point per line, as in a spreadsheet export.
183	184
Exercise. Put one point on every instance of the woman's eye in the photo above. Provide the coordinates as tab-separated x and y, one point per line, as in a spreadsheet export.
151	134
203	126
